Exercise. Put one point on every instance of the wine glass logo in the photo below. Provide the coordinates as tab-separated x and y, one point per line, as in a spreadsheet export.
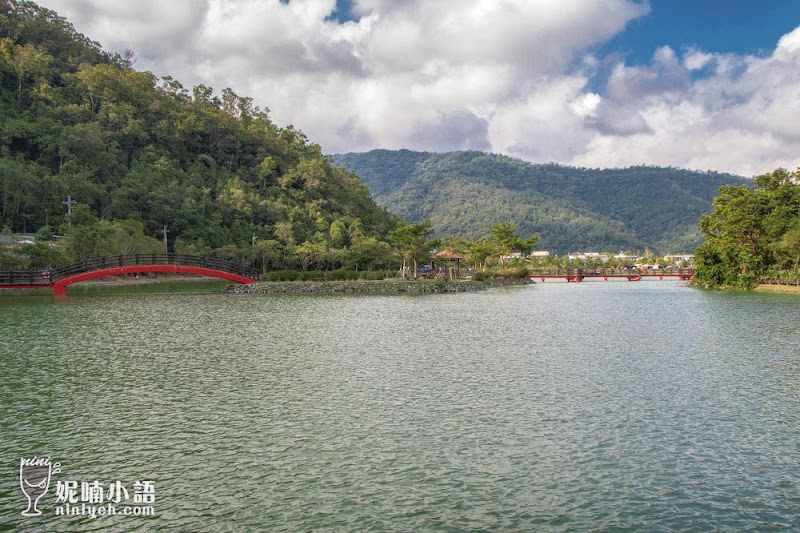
34	479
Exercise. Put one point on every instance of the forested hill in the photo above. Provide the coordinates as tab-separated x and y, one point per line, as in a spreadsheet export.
82	125
465	193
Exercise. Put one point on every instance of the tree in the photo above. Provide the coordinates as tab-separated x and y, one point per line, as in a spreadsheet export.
369	252
790	243
125	237
479	250
745	231
27	61
83	234
43	256
411	242
268	252
507	240
339	238
310	253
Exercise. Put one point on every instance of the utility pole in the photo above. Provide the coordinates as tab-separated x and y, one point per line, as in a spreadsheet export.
165	231
69	203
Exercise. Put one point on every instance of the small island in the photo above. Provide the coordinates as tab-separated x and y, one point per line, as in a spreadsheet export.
373	286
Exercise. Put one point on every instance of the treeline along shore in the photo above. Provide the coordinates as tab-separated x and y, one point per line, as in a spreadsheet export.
99	160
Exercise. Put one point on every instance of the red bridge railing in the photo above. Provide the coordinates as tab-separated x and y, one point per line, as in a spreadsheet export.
612	272
48	277
631	274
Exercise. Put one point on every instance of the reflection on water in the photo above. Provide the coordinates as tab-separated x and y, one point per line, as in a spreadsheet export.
554	406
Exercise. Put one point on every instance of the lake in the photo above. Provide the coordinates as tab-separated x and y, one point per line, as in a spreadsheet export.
565	407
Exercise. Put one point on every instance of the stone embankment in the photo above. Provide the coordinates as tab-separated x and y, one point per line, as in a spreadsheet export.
386	286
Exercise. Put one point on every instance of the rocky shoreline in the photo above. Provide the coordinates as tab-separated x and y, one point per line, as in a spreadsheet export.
385	286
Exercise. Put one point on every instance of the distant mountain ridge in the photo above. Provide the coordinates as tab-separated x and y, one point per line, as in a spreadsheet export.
465	193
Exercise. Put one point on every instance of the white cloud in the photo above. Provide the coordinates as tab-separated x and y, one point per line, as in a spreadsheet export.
742	117
586	105
511	76
697	60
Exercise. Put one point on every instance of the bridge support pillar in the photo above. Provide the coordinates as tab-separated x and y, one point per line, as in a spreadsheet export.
59	290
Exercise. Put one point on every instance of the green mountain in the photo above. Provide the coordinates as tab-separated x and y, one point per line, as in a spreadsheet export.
78	124
465	193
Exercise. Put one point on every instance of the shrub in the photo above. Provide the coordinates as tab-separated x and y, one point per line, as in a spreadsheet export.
322	275
313	275
342	275
512	273
481	275
280	275
504	273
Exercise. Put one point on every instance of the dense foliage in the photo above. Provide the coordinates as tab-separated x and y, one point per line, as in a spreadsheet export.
753	233
502	273
81	127
573	209
323	275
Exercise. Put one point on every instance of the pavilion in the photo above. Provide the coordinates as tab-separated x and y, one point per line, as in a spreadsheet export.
449	257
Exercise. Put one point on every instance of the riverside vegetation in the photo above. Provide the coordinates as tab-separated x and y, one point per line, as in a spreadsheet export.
99	159
753	234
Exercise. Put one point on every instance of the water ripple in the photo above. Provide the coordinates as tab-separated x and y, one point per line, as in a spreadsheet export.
554	407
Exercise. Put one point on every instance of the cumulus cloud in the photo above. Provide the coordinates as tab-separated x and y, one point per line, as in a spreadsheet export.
697	59
510	76
741	117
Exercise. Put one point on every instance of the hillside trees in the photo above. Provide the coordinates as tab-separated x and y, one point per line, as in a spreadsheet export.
81	125
466	193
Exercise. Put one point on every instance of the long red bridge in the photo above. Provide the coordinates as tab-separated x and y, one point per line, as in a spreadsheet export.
58	279
577	275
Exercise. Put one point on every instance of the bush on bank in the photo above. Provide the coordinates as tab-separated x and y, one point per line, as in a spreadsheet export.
502	273
322	275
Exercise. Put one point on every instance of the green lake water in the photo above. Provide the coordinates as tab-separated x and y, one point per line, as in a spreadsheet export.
564	407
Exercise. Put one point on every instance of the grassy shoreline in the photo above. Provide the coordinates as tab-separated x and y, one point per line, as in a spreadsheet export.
777	289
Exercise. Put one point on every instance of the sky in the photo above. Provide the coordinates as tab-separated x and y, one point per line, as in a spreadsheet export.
698	84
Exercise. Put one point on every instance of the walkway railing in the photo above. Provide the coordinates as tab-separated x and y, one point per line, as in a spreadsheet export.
611	272
48	277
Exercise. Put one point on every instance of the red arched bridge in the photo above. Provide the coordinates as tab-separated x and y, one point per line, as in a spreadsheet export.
58	278
634	274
